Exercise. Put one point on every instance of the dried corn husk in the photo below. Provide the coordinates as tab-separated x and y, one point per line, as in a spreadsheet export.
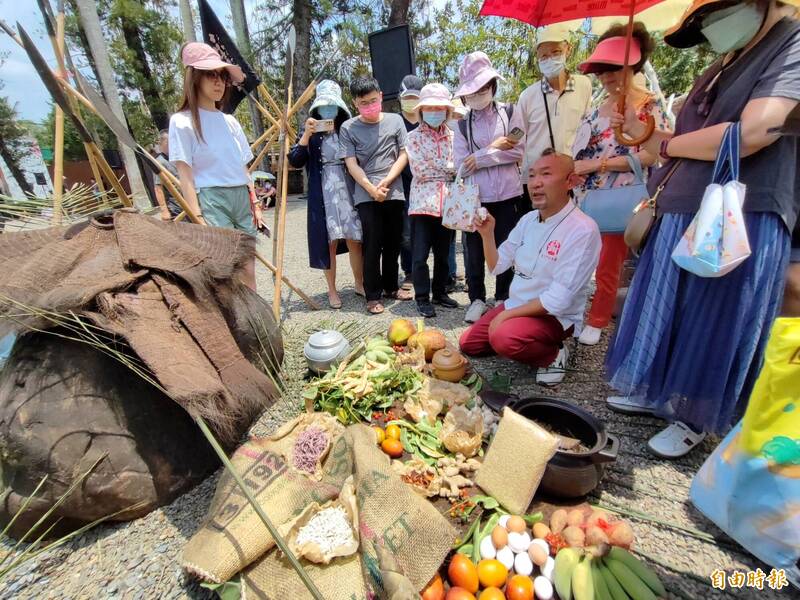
462	431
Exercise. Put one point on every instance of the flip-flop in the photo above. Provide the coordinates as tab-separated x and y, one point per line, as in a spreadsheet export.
401	295
374	307
362	293
334	305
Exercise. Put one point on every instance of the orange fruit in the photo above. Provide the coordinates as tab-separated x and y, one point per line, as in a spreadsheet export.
463	573
393	431
458	593
434	590
519	587
492	593
380	434
492	573
392	447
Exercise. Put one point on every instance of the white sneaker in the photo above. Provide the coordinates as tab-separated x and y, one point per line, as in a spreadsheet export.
475	311
555	373
675	441
629	405
590	336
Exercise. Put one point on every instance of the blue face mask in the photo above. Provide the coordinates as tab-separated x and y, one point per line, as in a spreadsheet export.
327	111
434	118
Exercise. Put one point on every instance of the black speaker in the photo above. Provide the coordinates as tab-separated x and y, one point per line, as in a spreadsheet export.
392	56
113	158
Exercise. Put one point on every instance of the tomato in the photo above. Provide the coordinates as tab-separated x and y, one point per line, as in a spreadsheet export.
434	590
463	573
492	593
393	431
519	587
392	447
458	593
492	573
380	434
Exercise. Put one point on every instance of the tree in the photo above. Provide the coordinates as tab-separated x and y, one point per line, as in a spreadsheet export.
91	25
302	19
399	12
12	143
187	21
243	43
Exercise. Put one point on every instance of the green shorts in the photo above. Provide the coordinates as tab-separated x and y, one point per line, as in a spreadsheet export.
227	207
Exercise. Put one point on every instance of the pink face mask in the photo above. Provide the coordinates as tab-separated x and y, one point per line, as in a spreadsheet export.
370	111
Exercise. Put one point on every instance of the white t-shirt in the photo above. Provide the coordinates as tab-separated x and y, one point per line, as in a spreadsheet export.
219	160
553	261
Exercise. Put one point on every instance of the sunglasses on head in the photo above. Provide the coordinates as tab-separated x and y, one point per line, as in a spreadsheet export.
221	75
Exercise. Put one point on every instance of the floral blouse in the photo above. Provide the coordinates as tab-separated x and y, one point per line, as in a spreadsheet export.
602	144
430	156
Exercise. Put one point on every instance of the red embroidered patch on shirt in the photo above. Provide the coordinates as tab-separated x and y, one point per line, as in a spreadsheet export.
553	248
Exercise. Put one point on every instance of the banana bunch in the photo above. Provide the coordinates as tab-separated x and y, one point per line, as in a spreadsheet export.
604	573
379	351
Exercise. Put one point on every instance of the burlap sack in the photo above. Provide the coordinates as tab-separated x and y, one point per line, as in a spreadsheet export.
390	514
285	437
515	462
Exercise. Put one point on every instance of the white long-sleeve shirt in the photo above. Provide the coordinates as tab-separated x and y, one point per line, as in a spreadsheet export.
553	261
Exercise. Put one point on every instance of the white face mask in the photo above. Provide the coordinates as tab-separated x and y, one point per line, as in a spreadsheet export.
732	28
480	100
553	66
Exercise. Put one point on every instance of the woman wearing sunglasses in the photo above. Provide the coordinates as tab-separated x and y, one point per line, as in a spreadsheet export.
210	149
601	159
688	348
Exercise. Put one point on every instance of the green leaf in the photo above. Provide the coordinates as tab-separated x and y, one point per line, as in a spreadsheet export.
228	590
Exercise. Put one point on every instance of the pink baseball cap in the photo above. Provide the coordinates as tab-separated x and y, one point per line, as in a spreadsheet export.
611	51
203	57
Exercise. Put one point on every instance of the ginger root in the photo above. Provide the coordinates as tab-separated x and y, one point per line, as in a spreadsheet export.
453	471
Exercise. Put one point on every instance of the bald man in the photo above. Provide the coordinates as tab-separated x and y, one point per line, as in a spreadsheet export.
554	249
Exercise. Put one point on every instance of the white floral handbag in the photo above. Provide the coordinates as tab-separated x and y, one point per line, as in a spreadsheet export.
716	241
461	204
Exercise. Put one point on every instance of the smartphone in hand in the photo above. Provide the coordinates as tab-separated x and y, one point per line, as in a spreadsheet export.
515	134
323	126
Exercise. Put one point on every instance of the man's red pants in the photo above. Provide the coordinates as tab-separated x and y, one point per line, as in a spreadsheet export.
607	275
531	340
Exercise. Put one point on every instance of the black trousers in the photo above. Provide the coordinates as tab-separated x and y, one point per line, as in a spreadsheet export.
429	233
382	227
524	202
406	260
505	215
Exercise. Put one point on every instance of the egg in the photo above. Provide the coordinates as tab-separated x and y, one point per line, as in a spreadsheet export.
537	555
506	556
499	537
540	531
548	568
487	548
503	521
516	524
523	564
543	588
518	542
543	545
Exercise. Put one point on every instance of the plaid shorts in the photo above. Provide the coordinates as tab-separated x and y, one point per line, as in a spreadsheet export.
227	207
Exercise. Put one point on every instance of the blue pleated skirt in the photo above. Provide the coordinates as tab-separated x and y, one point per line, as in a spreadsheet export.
694	346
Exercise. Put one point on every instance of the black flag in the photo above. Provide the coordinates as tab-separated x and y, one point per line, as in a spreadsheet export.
214	35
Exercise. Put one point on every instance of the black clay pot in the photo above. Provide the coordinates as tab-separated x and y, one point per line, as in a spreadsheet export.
571	474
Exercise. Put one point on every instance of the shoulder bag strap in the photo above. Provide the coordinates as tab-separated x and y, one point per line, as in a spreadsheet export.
636	167
549	123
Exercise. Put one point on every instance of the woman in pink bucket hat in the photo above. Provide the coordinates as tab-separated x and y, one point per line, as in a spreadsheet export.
210	149
483	150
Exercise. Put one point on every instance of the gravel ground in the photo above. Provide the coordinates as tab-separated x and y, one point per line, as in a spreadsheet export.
140	560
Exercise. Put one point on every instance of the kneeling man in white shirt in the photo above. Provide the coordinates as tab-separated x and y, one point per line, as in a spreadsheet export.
553	250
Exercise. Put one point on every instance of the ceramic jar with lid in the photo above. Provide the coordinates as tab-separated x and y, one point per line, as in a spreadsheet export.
449	365
325	348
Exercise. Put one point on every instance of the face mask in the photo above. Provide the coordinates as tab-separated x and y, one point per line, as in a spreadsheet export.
371	111
409	105
480	100
327	111
552	67
434	118
732	28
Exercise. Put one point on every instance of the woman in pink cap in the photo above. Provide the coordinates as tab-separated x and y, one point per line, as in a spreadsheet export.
430	156
602	160
210	149
483	150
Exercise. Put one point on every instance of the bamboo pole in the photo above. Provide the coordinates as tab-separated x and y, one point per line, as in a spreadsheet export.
280	209
254	165
58	144
95	169
270	131
110	176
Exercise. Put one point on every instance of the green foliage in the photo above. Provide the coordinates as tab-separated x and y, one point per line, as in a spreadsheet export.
73	144
12	132
678	69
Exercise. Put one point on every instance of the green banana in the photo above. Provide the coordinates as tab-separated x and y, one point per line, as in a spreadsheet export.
640	569
582	583
566	561
635	587
601	591
614	588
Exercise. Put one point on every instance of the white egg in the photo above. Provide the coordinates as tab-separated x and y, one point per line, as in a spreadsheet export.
506	556
518	542
487	548
503	521
543	545
523	564
548	568
543	588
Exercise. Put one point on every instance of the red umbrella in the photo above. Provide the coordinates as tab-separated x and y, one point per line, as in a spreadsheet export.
546	12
